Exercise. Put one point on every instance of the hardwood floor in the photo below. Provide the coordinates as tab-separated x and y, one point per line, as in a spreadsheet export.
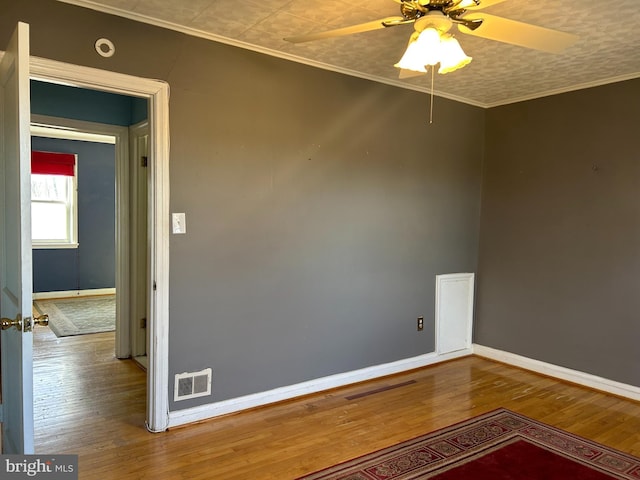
91	404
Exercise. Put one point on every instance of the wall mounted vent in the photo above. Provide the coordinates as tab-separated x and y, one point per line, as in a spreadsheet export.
192	385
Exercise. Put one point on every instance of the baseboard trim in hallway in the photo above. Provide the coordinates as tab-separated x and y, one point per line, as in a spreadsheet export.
74	293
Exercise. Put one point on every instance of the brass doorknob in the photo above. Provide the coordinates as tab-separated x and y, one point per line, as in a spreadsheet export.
42	320
7	323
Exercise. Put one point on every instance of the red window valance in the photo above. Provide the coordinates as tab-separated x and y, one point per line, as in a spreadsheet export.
52	163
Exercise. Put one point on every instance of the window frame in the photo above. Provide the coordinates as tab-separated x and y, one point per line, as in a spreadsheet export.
72	217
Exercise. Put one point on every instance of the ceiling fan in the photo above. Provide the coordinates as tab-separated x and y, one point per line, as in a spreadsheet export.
433	19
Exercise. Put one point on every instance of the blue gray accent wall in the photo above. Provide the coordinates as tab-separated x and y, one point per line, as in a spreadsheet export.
320	207
560	238
88	105
92	264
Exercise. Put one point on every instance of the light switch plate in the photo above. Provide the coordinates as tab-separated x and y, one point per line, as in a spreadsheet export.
179	223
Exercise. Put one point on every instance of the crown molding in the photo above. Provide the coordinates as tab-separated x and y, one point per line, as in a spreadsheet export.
572	88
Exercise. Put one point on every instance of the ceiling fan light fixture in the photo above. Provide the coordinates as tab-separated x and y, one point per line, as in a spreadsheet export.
430	47
423	50
467	3
411	59
429	44
452	57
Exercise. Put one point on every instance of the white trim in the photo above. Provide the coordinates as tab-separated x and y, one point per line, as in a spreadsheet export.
54	246
558	91
158	383
196	414
38	130
157	92
70	129
74	293
574	376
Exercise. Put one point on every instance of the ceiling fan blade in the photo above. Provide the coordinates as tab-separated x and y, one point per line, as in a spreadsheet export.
338	32
519	33
404	73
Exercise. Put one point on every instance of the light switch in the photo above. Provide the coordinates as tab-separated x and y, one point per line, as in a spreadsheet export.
179	223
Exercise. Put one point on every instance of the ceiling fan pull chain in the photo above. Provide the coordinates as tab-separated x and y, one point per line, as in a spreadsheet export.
431	102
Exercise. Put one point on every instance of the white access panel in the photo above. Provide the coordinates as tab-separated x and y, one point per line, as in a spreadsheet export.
454	312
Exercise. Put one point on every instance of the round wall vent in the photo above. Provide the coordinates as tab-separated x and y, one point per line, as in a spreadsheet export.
105	47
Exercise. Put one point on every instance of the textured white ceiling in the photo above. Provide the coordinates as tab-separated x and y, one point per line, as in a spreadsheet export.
608	49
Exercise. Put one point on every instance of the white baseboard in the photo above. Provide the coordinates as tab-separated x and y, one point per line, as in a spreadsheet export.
585	379
74	293
203	412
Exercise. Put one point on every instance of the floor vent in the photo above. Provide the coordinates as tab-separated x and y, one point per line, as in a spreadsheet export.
192	385
378	390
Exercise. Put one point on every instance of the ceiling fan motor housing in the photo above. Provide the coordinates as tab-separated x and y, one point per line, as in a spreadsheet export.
433	19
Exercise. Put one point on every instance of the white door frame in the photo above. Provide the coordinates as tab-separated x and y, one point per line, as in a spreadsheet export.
157	93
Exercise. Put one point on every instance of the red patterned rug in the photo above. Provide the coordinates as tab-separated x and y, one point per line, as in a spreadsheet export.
499	445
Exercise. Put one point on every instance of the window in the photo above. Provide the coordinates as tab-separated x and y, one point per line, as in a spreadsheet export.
54	220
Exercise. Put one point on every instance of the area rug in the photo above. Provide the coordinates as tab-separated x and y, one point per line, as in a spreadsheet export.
499	445
79	316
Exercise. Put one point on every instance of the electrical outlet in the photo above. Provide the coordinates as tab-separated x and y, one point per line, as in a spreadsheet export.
420	323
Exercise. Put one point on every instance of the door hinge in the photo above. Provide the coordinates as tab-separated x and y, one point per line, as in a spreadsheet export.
143	323
144	161
155	287
1	413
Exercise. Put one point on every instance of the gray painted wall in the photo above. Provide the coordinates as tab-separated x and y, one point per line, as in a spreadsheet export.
319	207
92	264
560	237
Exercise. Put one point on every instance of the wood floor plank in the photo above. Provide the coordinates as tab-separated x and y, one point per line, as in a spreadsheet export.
91	404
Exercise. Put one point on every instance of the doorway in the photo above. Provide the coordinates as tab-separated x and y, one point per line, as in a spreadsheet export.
85	121
73	213
156	93
98	149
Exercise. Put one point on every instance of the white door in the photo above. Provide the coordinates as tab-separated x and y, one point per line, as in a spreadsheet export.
15	236
454	312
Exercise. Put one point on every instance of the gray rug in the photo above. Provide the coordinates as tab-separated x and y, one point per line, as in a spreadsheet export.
79	316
